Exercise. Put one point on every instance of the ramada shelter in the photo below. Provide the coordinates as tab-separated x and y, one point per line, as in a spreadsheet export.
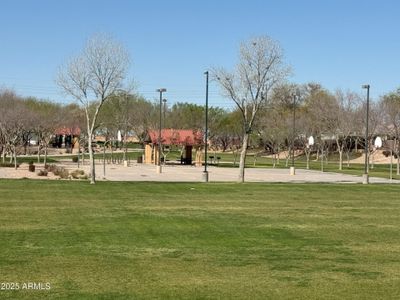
177	137
66	137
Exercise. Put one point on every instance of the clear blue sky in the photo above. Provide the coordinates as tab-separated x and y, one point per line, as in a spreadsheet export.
338	43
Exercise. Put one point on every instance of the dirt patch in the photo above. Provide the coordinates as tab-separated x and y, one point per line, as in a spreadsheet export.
377	157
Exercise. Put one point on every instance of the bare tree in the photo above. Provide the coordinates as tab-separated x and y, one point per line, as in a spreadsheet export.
391	106
118	116
14	124
273	132
376	112
259	69
345	112
45	119
91	78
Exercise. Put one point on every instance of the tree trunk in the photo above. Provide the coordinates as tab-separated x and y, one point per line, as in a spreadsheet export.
125	147
356	146
45	155
104	160
234	157
348	158
372	159
242	161
288	157
340	151
308	159
15	157
91	161
126	150
38	152
327	155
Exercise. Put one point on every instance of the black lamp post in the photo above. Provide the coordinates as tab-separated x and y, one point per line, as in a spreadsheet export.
292	169
365	175
294	127
164	109
205	172
161	91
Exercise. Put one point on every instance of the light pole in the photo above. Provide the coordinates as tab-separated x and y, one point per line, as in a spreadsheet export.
161	91
292	168
164	109
205	172
309	145
391	144
365	175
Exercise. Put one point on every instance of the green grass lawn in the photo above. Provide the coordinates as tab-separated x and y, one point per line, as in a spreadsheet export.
378	170
119	240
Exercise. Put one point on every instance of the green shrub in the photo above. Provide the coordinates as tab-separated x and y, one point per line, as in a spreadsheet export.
75	159
32	167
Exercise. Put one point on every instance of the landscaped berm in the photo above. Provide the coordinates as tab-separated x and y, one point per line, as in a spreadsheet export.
199	241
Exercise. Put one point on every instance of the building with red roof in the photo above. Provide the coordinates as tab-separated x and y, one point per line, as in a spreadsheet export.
184	137
172	137
67	137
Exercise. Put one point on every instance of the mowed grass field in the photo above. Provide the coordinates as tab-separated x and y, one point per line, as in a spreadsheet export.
119	240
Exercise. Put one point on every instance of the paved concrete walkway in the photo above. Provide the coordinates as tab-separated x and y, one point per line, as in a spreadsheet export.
178	173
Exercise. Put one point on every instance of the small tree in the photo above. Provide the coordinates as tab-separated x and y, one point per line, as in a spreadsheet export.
91	78
260	67
345	118
391	106
13	123
46	119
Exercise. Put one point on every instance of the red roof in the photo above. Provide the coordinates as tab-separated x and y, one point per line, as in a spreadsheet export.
177	137
68	131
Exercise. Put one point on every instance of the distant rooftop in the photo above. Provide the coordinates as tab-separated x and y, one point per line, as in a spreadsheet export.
171	136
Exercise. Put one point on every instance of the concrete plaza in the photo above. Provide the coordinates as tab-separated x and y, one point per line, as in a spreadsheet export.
182	173
179	173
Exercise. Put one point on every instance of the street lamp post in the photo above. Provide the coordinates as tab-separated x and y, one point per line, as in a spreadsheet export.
292	168
391	144
205	172
365	175
164	109
309	145
161	91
